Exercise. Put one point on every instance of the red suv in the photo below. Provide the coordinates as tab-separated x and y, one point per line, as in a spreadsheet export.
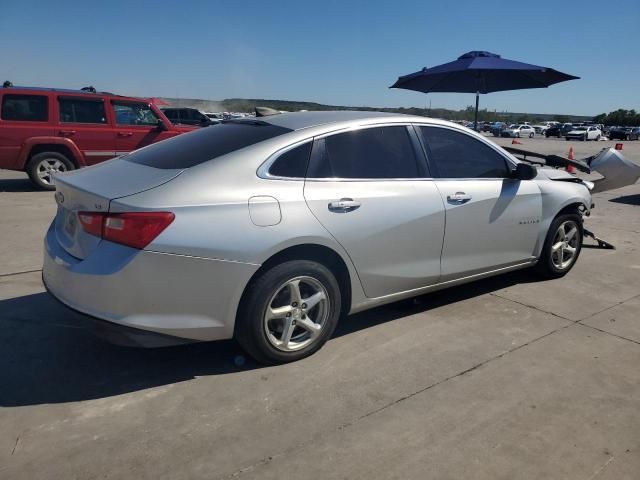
44	131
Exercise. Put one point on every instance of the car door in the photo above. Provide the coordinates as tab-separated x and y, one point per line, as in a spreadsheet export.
136	126
370	189
492	220
83	119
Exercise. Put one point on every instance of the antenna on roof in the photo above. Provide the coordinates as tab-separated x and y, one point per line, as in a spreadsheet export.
90	89
7	84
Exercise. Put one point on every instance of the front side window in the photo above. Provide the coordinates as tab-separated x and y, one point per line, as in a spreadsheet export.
25	108
292	163
457	155
76	110
134	114
368	153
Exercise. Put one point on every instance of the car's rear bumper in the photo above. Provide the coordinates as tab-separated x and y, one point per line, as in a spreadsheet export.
120	334
191	298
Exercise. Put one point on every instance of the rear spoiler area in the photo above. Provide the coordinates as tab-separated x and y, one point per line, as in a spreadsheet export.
555	161
616	170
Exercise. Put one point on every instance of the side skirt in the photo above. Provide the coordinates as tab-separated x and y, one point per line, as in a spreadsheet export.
375	302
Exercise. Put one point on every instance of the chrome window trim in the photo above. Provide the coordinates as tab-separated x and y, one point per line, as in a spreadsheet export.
263	169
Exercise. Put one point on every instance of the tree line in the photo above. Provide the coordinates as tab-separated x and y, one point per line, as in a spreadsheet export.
621	117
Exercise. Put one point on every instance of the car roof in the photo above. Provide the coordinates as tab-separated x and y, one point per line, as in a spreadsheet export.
18	90
300	120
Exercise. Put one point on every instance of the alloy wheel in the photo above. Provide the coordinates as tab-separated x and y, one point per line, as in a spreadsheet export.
565	245
46	168
296	314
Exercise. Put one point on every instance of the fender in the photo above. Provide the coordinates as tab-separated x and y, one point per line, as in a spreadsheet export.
31	142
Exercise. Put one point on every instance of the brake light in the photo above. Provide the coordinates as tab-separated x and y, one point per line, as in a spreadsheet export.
134	229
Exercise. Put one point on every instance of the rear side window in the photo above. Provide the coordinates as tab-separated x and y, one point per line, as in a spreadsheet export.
25	108
75	110
205	144
292	163
457	155
380	152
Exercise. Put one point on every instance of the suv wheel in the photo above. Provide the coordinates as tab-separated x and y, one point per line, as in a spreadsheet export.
561	247
43	166
289	312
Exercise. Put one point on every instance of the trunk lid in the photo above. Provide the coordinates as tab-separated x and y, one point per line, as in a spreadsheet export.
92	189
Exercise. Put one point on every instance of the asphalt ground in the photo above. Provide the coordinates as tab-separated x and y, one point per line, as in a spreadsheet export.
505	378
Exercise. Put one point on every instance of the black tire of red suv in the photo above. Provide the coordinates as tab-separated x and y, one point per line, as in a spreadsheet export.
41	166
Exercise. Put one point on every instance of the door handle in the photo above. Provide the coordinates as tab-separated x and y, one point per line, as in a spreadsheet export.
344	205
66	133
458	198
125	134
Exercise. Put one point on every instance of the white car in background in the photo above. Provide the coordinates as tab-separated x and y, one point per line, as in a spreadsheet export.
584	133
542	127
519	131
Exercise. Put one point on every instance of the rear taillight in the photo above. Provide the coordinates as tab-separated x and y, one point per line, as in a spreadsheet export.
134	229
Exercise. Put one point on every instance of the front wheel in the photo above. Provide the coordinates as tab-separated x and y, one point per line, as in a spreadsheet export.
43	166
531	135
288	312
562	246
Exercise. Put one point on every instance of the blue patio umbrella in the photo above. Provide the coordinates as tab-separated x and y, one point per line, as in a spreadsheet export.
481	72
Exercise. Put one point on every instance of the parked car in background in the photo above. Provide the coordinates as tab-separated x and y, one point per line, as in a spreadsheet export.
542	127
44	131
518	131
487	127
283	225
497	128
214	117
558	130
583	133
624	133
187	116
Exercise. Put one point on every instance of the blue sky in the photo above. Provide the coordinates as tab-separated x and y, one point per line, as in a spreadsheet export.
336	52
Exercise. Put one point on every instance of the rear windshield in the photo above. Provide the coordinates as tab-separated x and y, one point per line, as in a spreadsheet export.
197	147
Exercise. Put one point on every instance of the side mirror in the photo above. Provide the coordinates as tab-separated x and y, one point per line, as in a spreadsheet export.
161	126
524	171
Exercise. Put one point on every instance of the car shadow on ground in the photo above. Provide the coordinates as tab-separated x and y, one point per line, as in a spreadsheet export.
627	199
18	185
48	356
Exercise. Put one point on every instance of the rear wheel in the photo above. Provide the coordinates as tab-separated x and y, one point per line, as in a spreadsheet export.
43	166
531	135
288	312
562	246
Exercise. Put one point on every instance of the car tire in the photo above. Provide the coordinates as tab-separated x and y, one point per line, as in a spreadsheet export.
531	135
559	135
41	166
556	260
597	138
274	324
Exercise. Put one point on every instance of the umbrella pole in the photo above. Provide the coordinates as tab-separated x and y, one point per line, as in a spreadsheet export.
475	122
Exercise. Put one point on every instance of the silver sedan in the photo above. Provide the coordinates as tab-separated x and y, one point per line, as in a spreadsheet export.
270	230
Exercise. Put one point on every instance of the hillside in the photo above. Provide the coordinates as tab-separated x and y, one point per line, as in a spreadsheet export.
248	105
